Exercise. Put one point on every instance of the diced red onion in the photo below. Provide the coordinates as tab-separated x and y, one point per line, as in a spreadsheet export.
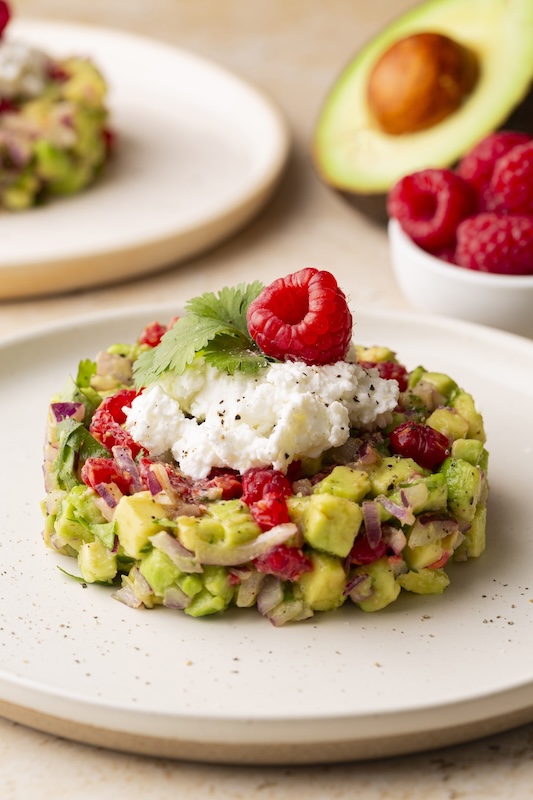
360	587
415	496
66	410
372	522
368	455
223	556
127	596
403	514
241	573
153	483
289	611
395	538
174	597
183	559
270	595
428	528
53	501
107	494
249	589
303	487
429	395
125	462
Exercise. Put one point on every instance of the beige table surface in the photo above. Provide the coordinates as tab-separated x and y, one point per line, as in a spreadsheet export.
293	50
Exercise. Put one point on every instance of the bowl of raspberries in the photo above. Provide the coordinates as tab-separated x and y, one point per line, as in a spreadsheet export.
461	239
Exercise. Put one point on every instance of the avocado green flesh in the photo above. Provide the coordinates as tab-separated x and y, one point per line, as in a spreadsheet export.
351	152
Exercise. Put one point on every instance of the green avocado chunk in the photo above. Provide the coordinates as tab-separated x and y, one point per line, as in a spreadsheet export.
331	523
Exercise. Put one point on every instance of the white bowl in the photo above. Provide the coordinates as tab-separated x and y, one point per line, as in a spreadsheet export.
434	286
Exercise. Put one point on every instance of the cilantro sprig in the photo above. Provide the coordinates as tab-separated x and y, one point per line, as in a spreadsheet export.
213	325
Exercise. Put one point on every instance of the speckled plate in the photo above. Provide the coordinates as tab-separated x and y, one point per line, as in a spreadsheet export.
199	153
424	672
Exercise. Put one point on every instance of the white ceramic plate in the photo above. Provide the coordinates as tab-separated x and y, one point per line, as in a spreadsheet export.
424	672
199	153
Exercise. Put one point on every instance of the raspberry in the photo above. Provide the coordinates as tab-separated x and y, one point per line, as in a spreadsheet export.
286	563
303	317
107	421
499	243
389	370
511	186
362	553
477	165
423	444
429	204
152	334
256	482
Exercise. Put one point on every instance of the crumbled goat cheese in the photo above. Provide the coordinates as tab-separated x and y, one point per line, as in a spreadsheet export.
288	411
23	70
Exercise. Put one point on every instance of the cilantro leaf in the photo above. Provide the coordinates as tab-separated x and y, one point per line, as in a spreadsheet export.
229	306
75	444
232	355
214	325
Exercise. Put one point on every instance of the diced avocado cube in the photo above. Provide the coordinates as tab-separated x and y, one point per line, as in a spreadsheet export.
465	484
331	523
216	581
96	562
464	403
414	376
237	521
228	523
76	513
205	603
425	581
137	518
449	422
473	545
51	163
424	555
470	450
191	584
391	471
191	530
385	587
323	587
353	484
443	384
375	353
296	506
160	572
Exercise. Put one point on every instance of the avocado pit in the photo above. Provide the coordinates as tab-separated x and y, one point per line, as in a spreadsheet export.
419	81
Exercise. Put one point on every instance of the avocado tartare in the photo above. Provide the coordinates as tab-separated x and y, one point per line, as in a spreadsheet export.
249	454
54	130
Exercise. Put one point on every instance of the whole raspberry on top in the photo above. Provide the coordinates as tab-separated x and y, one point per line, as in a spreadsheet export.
429	204
302	317
511	186
498	243
478	164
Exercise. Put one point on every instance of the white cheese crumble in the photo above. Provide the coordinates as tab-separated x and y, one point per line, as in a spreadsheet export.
23	70
288	411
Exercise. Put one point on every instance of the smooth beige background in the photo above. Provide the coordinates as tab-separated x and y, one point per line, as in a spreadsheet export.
292	49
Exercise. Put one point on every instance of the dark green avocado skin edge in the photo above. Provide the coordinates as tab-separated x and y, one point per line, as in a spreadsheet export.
374	206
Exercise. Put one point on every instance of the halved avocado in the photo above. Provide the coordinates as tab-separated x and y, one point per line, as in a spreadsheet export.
354	154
